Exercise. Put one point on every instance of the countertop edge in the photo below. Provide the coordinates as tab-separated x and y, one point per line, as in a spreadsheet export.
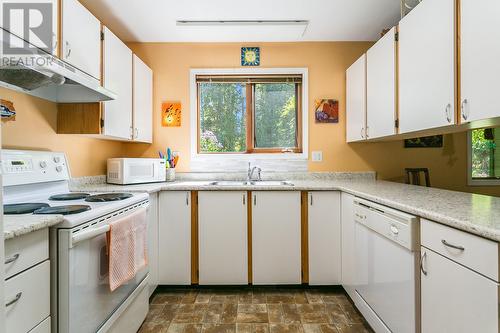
14	226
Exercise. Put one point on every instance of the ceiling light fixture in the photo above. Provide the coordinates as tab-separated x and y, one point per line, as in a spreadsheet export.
241	22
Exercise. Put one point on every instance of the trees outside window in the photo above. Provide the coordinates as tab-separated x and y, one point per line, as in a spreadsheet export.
248	115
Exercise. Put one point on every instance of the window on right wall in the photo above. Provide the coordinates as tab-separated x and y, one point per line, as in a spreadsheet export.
484	157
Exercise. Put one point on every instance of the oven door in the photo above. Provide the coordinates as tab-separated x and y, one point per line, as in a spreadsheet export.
85	302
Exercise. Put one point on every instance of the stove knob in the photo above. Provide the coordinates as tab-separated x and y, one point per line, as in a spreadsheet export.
43	164
57	159
59	168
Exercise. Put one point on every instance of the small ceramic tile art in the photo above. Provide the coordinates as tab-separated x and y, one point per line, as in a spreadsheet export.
327	111
250	56
171	114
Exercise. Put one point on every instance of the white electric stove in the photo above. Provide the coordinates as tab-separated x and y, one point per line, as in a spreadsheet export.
37	182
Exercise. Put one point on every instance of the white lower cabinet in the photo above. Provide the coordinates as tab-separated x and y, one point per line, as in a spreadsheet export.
175	238
153	242
456	299
348	243
223	237
27	298
43	327
276	237
324	238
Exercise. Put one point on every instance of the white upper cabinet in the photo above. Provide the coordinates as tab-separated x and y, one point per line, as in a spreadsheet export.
427	66
143	101
480	54
356	100
381	87
81	38
117	59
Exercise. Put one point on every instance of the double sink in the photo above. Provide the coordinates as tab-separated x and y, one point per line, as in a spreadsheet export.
264	183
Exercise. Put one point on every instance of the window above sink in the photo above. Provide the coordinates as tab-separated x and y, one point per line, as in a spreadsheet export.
231	112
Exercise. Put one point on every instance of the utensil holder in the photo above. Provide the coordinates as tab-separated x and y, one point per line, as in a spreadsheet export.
170	175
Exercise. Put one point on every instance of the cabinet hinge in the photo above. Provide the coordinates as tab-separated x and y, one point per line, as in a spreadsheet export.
396	36
102	123
396	123
102	35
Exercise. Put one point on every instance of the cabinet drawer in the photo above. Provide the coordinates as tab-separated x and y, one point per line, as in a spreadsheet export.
32	291
476	253
26	251
43	327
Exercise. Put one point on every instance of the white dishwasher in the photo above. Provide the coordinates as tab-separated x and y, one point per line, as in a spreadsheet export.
386	275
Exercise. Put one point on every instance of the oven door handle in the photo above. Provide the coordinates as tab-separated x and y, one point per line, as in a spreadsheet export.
91	233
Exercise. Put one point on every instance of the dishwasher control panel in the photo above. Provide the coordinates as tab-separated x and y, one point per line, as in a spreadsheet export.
398	226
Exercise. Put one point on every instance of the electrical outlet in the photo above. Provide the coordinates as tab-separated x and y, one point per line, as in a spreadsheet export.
317	156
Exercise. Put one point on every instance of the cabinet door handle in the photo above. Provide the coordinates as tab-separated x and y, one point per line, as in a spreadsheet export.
422	258
366	132
255	200
54	42
456	247
362	132
187	199
136	132
312	200
14	300
244	199
448	113
465	115
12	259
68	50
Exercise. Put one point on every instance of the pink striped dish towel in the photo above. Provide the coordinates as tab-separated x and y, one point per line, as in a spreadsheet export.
127	247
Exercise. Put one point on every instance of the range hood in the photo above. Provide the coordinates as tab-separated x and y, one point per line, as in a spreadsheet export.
35	72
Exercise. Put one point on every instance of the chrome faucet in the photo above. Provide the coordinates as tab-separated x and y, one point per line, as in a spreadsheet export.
251	171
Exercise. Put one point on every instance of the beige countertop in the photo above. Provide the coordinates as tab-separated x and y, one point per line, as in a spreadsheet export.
474	213
17	225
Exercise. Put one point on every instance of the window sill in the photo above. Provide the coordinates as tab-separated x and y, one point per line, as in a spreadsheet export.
483	182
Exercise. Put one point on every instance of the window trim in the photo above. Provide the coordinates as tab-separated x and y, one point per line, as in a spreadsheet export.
471	181
261	153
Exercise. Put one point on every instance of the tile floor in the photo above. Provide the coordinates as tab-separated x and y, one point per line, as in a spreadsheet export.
253	310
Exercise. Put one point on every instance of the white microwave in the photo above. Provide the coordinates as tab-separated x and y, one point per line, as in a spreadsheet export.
136	170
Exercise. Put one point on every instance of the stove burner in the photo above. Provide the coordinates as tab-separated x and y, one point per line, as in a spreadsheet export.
108	197
63	210
69	196
22	208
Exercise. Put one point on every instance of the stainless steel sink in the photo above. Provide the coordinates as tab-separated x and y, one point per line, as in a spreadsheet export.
252	183
272	183
230	183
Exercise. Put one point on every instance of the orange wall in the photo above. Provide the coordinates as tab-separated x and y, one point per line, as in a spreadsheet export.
327	62
35	124
35	128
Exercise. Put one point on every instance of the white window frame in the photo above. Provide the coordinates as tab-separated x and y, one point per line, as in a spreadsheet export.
470	180
195	156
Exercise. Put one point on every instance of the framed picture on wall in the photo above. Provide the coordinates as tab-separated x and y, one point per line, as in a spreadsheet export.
327	111
435	141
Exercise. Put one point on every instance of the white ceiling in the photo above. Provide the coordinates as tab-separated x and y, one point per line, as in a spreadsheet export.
329	20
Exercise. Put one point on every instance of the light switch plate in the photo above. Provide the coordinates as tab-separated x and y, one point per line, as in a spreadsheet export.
317	156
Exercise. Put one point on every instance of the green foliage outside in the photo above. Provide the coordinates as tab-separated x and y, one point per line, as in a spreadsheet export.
223	116
275	115
483	154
